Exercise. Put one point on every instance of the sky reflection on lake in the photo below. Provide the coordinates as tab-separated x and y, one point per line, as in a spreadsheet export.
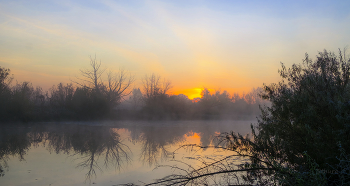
104	153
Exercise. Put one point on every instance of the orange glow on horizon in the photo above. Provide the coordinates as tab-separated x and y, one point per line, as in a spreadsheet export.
193	137
190	93
196	92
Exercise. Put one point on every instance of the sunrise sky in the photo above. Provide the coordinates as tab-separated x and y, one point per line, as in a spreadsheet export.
227	45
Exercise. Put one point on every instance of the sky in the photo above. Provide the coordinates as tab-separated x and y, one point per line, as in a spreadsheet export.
221	45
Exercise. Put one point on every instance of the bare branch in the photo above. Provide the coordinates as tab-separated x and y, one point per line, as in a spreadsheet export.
113	89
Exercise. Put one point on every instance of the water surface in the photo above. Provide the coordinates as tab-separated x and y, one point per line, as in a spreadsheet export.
105	153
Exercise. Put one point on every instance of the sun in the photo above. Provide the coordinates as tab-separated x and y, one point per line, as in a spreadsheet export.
195	93
190	93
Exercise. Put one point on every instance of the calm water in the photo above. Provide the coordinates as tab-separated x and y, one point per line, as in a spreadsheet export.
105	153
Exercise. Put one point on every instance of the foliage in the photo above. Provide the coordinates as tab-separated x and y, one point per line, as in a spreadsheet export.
309	113
5	79
5	91
61	100
297	137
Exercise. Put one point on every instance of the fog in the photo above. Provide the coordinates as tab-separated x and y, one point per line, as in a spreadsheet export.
107	126
115	100
98	149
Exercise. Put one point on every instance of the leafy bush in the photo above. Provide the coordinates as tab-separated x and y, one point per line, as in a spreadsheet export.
310	112
297	138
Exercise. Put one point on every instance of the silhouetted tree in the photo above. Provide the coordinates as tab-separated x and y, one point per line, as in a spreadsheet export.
5	93
92	78
22	102
5	79
61	101
105	93
179	107
300	139
154	86
214	106
155	95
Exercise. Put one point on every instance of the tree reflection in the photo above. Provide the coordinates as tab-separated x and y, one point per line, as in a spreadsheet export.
97	148
87	143
12	143
156	141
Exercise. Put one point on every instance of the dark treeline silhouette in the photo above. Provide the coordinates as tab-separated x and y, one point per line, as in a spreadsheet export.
93	97
154	103
217	105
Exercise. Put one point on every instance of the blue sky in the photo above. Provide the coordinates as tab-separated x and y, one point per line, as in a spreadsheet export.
228	45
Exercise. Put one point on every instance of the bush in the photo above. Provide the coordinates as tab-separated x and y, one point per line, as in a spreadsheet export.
297	138
310	112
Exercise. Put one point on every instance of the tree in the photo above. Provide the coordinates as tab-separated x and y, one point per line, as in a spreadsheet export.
5	92
22	104
300	139
5	79
216	105
310	112
153	86
92	77
155	97
111	90
61	101
117	85
208	104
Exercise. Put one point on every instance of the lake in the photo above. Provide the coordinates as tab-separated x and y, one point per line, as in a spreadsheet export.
107	153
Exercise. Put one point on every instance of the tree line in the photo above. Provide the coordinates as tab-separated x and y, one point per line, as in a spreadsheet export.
100	94
216	105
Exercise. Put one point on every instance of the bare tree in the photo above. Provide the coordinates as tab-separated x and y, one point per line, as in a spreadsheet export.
153	86
93	77
114	87
117	84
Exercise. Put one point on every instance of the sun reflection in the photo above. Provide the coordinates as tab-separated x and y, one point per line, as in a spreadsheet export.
193	137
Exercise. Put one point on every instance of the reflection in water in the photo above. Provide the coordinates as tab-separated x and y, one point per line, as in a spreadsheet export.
96	148
90	143
87	143
193	137
12	143
155	141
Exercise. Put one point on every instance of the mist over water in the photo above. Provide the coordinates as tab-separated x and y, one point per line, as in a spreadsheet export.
105	153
